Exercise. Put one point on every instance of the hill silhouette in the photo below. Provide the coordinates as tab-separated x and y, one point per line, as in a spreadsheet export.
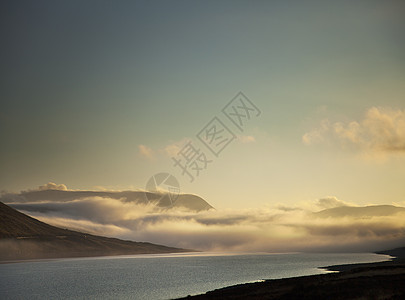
360	212
23	237
188	201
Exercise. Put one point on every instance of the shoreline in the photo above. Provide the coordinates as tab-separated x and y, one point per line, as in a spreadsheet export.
379	280
398	258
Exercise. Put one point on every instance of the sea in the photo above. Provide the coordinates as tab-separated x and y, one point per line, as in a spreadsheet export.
159	276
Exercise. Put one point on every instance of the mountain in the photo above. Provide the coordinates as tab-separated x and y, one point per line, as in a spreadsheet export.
360	212
187	201
23	237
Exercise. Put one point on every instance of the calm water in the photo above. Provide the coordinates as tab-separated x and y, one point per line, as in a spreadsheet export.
156	276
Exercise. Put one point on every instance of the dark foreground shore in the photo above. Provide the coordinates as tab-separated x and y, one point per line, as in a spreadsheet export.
384	280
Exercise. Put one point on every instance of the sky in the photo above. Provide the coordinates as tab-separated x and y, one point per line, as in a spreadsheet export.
102	95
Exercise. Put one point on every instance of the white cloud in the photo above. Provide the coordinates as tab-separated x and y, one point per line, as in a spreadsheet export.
244	139
380	132
170	150
52	186
173	148
317	134
83	225
331	202
146	152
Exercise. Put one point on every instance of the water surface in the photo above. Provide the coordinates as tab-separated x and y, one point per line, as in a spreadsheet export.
157	276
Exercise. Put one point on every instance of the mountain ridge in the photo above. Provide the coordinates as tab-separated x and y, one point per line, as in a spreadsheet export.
360	211
188	201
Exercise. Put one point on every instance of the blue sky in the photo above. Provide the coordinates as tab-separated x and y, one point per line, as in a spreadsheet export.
85	84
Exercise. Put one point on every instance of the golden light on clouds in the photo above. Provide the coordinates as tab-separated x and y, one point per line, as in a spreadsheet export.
331	224
380	133
146	152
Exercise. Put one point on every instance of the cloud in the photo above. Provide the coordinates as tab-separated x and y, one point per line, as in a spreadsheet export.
244	139
331	202
170	150
381	131
146	152
317	134
84	225
174	148
52	186
268	229
287	208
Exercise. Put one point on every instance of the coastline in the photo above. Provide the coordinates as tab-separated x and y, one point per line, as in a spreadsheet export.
398	258
380	280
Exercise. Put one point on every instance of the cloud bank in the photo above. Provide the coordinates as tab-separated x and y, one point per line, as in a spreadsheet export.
271	229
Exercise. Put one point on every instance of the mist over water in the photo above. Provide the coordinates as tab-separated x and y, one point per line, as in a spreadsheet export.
157	276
